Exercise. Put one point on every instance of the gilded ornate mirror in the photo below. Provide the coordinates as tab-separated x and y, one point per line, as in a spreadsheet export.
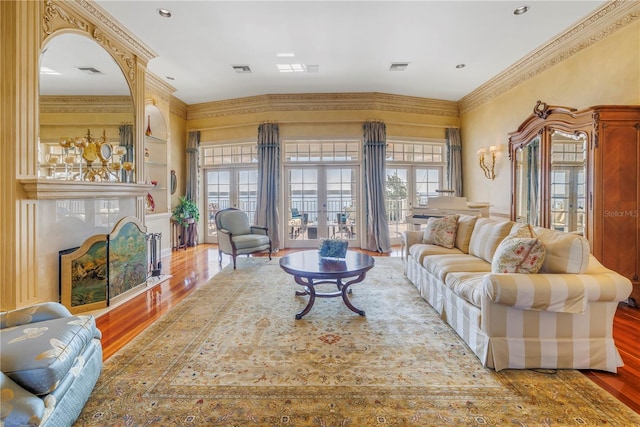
82	91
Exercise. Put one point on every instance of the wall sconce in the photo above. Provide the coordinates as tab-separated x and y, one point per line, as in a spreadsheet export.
487	161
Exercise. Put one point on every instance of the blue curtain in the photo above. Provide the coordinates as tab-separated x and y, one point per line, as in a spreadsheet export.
375	148
454	161
268	180
126	141
193	147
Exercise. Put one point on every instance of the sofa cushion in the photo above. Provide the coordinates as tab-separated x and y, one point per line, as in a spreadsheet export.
32	314
250	241
441	265
464	231
487	235
522	230
565	252
19	407
37	356
420	250
518	255
561	293
441	231
467	286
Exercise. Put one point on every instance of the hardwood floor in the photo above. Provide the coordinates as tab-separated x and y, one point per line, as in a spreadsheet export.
193	267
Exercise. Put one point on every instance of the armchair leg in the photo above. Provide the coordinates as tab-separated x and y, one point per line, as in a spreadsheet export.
234	262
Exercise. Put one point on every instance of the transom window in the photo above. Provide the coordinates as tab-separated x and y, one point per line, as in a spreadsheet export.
416	152
236	154
325	150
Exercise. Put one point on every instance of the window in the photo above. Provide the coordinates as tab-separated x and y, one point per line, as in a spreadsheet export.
230	180
308	151
415	171
245	153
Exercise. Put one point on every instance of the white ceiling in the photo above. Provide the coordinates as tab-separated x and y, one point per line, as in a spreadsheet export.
352	42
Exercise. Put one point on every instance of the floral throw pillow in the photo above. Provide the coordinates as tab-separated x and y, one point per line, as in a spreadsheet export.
518	255
441	231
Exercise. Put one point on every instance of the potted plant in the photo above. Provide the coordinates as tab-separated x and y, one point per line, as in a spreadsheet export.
186	212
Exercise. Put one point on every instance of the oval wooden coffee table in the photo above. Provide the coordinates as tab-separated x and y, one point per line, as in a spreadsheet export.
310	270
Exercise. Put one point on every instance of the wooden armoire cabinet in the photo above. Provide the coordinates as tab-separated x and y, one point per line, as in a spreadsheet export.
579	171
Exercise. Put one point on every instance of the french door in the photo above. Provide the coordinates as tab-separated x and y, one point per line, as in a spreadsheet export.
321	202
406	187
232	187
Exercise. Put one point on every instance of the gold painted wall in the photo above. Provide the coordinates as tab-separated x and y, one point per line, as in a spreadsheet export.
178	154
607	72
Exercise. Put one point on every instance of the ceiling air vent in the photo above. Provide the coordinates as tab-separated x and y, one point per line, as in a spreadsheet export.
313	68
241	68
398	66
89	70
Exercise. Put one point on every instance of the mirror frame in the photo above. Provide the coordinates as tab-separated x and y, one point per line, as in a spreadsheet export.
131	55
542	123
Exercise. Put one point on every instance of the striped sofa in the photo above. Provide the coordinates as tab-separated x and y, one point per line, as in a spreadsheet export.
560	317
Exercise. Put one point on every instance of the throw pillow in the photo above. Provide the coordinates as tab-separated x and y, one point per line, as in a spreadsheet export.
518	255
441	231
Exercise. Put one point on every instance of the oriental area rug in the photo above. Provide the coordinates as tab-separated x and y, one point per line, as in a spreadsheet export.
233	354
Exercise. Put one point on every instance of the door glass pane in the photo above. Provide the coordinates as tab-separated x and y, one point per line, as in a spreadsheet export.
397	200
560	201
341	203
427	182
218	196
248	192
303	204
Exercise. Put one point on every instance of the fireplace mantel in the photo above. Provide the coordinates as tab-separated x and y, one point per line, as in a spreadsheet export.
48	189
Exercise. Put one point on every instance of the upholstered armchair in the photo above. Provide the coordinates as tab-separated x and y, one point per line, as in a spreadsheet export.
237	237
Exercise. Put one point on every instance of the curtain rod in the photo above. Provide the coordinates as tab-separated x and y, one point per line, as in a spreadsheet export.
321	122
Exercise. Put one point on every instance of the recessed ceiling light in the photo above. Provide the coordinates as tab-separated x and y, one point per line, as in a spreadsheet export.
460	66
165	13
285	55
291	68
521	10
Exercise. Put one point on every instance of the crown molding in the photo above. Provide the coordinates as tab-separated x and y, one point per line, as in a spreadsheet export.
323	102
158	86
86	17
115	29
85	104
178	108
603	22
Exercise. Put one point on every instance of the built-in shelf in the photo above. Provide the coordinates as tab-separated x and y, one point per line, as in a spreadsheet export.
47	189
155	139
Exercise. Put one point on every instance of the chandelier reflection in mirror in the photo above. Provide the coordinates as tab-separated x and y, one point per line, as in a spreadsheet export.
86	158
487	161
